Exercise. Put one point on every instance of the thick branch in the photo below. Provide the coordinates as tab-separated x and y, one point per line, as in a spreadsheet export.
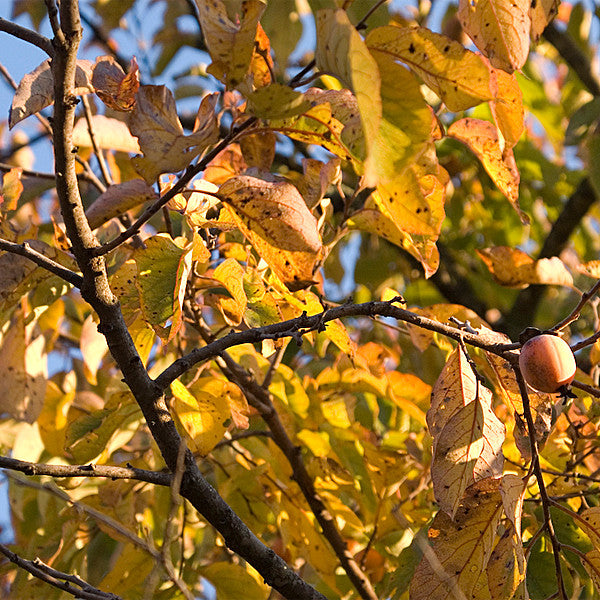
325	519
304	324
29	468
27	35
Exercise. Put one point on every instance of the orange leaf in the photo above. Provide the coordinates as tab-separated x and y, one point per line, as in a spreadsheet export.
482	138
507	109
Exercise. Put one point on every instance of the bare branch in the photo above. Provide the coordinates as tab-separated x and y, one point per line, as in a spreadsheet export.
304	324
27	35
39	259
29	468
57	579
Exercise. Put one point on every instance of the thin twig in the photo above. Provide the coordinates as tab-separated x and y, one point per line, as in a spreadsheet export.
39	259
57	579
106	471
574	314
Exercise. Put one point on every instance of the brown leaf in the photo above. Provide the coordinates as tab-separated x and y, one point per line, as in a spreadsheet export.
112	86
482	138
541	13
230	41
36	90
513	268
461	547
275	210
499	28
155	123
117	200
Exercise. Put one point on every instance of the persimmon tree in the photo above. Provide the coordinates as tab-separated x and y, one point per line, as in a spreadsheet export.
271	348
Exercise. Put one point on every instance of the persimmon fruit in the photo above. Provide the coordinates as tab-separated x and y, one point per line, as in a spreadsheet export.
547	363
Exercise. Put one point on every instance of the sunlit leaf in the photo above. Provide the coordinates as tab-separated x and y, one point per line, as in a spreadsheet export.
507	109
12	188
482	138
230	37
499	28
231	274
277	101
461	547
459	77
512	267
109	134
541	13
202	415
93	348
116	89
342	52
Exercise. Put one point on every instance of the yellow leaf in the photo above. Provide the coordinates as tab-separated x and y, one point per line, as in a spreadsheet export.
457	75
92	345
507	108
155	123
541	13
22	370
230	37
461	547
507	566
467	435
12	188
277	101
513	268
52	421
202	419
231	274
590	268
482	138
499	28
316	441
117	200
342	52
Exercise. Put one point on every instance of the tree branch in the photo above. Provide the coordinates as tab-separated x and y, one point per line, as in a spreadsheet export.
27	35
57	579
39	259
304	324
107	471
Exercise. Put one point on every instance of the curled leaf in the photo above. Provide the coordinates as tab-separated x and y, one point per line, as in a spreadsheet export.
116	89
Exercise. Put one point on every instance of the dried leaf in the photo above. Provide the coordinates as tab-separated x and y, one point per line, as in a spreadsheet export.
342	52
461	547
230	41
513	268
258	150
117	200
155	123
507	566
482	138
112	86
36	90
590	268
457	75
22	371
499	28
467	434
109	133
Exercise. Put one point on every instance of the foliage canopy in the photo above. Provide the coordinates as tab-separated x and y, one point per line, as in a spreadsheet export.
191	402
